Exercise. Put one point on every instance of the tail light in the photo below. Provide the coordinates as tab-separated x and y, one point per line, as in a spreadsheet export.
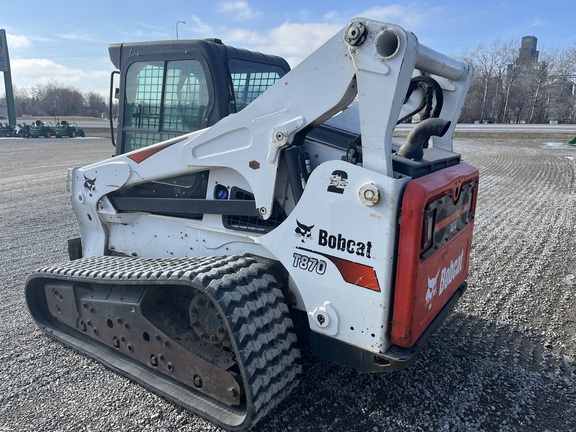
428	231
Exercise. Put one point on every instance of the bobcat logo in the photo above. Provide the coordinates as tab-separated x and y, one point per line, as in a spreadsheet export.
447	275
90	184
303	232
431	292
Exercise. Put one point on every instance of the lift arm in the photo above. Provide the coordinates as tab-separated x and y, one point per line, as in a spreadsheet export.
370	60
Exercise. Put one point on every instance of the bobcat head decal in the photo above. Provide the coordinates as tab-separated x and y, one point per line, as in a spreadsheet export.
89	184
303	232
431	291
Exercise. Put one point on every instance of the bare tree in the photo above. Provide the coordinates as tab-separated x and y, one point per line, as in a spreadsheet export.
95	105
56	100
508	88
562	79
539	89
493	79
21	100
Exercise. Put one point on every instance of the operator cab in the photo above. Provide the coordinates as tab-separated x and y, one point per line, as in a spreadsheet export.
170	88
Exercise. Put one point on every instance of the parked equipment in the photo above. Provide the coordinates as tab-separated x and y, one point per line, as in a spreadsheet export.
7	130
23	130
67	129
41	129
206	260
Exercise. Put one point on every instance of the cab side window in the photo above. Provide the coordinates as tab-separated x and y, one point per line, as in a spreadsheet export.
250	80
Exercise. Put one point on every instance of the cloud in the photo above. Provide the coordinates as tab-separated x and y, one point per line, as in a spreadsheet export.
292	41
538	22
296	41
30	72
409	16
144	31
78	36
418	17
17	41
200	28
239	8
332	16
241	37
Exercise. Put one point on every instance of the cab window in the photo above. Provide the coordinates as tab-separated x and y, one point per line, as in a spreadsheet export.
163	99
250	80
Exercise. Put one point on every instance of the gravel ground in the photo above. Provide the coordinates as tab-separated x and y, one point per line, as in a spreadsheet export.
505	360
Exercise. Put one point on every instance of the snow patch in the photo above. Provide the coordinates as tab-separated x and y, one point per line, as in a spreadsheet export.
556	145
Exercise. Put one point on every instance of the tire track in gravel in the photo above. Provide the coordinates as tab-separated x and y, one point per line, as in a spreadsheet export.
517	303
498	363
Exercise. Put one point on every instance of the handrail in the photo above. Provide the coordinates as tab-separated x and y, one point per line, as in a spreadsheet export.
110	105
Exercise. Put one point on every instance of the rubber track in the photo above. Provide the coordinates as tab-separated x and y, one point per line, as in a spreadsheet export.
258	319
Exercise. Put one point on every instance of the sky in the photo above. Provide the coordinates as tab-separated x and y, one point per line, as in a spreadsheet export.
66	42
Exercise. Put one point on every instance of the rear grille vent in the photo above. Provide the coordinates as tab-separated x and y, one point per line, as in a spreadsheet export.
451	217
252	223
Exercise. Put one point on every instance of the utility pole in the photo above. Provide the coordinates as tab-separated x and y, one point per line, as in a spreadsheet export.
178	22
5	67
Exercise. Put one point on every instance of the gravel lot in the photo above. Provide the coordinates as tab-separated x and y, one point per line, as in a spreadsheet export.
505	360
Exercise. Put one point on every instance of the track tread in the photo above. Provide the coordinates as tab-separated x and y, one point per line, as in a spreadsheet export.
264	339
259	320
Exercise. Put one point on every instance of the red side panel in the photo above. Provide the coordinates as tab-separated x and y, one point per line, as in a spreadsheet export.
434	247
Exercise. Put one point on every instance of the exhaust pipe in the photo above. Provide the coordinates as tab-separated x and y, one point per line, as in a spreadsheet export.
418	138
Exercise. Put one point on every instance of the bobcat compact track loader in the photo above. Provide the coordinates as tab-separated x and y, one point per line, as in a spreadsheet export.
207	259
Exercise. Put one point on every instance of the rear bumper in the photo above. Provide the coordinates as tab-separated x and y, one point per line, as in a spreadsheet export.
394	359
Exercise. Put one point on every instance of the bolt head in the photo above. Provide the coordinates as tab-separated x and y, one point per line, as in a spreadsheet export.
369	194
356	33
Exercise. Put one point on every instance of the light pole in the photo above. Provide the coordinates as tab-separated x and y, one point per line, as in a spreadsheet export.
178	22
